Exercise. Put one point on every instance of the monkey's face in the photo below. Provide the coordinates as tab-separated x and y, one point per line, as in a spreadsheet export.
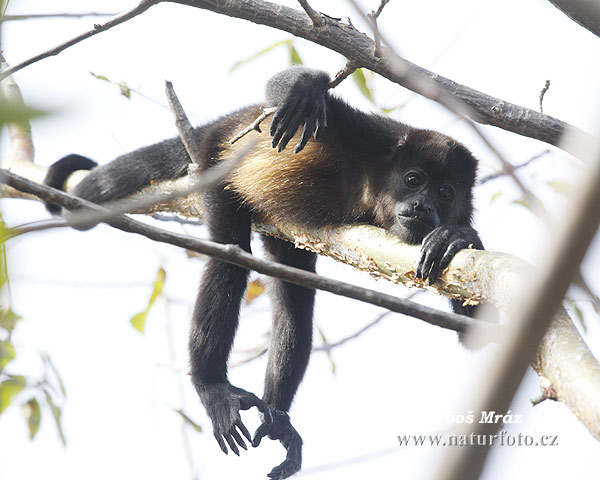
423	202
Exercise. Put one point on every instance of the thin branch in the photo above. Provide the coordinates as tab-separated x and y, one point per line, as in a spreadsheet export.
358	333
312	13
373	16
184	127
237	256
267	111
543	93
36	16
98	28
493	176
344	73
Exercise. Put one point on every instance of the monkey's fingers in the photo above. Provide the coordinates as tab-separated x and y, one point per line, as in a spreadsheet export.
261	432
308	131
282	120
285	469
291	130
221	442
249	400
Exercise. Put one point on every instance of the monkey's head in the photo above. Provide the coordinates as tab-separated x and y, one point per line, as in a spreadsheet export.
431	184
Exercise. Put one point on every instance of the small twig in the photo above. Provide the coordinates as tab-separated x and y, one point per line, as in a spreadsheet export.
312	13
375	13
267	111
344	73
373	16
542	94
493	176
98	28
184	127
539	399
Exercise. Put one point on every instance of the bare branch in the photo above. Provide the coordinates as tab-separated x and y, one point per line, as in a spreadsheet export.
493	176
543	93
373	16
313	14
344	73
267	111
184	127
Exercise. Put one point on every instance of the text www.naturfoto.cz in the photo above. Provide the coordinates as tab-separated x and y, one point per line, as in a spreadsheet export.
502	439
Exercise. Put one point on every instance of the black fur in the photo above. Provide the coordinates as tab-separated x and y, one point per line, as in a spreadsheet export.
347	166
58	172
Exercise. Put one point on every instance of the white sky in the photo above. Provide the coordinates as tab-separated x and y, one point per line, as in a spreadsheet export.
77	291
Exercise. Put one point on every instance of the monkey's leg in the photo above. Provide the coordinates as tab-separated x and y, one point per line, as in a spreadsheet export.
289	352
214	324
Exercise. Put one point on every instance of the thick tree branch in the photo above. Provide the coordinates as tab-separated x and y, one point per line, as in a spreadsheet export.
359	48
235	255
584	12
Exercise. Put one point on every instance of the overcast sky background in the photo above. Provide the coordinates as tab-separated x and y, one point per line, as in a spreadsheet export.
77	291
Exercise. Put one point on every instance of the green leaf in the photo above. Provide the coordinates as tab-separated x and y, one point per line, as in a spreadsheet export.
33	416
578	313
329	355
294	55
48	362
361	82
188	420
7	354
16	113
564	188
57	414
124	89
495	196
264	51
9	388
139	320
8	319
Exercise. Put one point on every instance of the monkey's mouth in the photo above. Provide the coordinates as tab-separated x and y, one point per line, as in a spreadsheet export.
416	221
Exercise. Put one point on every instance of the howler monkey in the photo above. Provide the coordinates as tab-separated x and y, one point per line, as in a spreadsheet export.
347	166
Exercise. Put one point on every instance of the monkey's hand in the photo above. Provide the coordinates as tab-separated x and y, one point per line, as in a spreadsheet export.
223	403
303	104
281	429
440	246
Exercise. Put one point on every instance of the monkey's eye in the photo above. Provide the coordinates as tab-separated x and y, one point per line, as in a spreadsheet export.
413	179
446	192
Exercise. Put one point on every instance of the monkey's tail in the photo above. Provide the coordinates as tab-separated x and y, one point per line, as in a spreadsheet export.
58	172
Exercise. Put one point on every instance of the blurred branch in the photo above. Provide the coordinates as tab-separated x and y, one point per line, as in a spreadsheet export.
493	176
584	12
528	338
44	16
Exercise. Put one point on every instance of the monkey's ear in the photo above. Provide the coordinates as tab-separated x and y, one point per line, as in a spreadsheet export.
402	140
